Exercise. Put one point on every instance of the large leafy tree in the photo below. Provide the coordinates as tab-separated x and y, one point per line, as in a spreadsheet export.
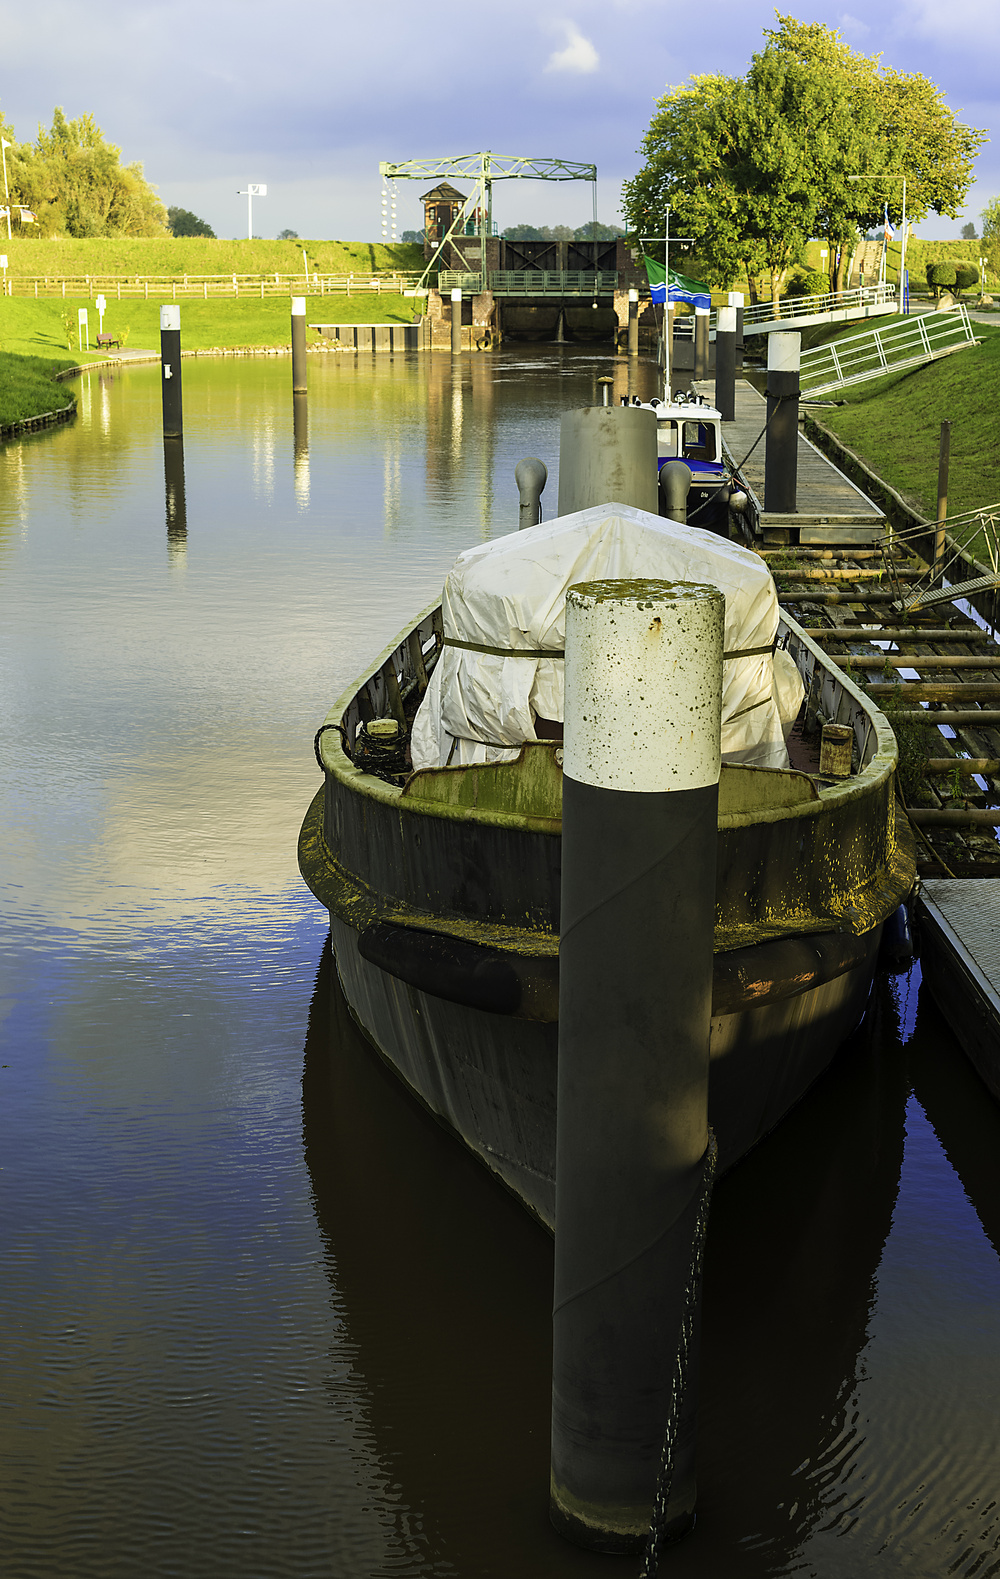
182	222
75	183
754	166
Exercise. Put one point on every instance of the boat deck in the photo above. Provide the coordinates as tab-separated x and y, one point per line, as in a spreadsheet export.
831	509
960	931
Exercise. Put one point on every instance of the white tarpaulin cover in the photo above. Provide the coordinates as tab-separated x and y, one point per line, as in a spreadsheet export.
511	594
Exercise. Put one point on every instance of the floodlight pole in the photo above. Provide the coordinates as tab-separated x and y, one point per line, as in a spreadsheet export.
254	189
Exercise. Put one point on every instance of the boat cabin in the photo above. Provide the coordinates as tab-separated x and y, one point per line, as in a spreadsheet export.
689	430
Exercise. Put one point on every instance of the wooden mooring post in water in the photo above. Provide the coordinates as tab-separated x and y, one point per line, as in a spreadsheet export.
640	815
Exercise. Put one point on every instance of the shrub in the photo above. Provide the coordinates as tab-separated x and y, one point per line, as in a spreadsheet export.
810	283
966	275
941	276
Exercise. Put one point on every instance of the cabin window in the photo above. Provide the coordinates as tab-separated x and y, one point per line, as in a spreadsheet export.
699	441
667	438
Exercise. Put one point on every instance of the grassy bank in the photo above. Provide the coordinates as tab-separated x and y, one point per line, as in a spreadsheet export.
199	255
894	424
38	338
48	327
28	387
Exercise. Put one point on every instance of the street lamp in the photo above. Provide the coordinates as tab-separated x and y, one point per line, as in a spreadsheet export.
251	192
902	245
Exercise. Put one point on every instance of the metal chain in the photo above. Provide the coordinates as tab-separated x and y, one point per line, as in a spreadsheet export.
679	1380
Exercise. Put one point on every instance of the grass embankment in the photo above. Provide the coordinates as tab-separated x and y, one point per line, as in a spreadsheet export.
28	387
200	255
38	338
894	424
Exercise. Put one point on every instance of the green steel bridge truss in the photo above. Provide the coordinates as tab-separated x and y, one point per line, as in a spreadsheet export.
483	169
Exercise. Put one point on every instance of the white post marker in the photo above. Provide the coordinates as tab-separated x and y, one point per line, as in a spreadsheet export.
100	302
83	326
643	709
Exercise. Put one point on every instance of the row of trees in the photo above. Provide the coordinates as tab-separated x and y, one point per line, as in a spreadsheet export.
75	184
754	166
588	232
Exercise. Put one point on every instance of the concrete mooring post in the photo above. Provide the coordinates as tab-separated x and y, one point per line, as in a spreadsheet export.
170	372
531	475
701	349
633	323
640	810
456	321
781	455
607	454
725	364
300	382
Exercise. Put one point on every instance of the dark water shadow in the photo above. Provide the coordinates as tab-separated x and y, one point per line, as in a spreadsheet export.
446	1288
964	1113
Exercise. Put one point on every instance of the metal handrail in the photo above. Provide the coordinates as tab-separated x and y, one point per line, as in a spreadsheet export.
906	342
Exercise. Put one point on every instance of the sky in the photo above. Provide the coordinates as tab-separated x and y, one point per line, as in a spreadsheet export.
212	94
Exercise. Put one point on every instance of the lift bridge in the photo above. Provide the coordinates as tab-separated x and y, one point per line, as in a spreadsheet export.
475	220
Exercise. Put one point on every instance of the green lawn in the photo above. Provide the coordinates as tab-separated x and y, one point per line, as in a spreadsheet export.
28	387
200	255
894	424
40	335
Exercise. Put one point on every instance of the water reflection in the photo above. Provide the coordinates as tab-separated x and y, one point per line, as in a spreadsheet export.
225	1360
300	440
176	499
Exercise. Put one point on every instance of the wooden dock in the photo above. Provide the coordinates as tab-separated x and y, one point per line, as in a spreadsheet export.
959	922
830	508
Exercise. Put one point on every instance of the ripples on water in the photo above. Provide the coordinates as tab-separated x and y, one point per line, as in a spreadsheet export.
261	1316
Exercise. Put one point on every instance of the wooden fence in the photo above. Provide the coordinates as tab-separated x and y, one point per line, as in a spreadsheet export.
175	287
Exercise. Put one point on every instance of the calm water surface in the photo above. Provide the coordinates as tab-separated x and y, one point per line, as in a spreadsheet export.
261	1316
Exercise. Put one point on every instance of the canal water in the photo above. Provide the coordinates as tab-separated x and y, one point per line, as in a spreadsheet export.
260	1315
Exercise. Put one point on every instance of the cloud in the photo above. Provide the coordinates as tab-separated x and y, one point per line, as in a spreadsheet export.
852	28
578	55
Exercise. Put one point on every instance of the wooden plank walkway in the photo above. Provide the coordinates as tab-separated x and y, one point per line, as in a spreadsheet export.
959	923
830	508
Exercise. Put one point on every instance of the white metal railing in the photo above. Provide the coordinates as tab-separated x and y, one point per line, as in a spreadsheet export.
906	342
860	297
178	286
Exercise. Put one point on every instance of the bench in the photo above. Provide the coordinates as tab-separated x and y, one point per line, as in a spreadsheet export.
108	340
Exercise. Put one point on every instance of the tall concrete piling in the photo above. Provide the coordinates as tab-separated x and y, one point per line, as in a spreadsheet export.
531	475
607	453
170	372
300	383
781	454
456	321
725	364
633	323
640	808
701	348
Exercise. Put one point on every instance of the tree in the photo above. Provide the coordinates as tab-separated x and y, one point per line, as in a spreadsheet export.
597	232
288	235
76	185
412	237
754	166
181	222
969	232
